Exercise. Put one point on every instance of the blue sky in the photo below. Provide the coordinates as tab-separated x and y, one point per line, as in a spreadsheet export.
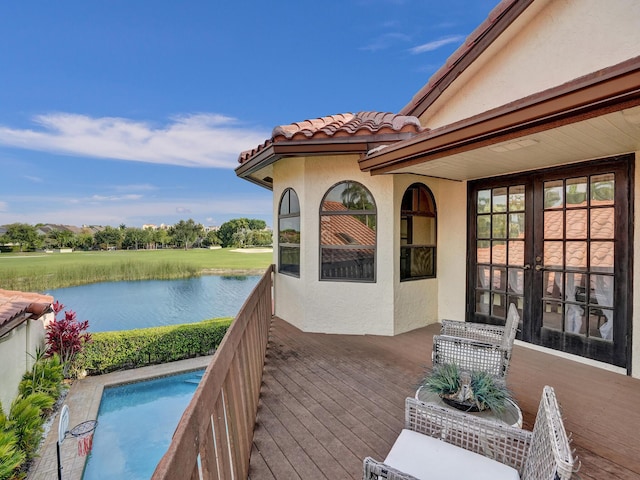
132	112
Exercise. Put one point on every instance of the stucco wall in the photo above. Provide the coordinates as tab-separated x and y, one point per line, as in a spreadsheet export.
452	247
14	358
423	302
388	306
551	43
416	301
333	306
289	297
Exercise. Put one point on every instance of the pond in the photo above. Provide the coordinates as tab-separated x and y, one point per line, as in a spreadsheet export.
151	303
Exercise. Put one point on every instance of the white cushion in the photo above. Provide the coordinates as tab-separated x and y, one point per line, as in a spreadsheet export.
426	457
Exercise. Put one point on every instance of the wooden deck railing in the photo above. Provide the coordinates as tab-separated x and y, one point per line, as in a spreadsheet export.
213	439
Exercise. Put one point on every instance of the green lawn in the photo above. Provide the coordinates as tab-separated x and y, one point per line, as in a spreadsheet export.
44	271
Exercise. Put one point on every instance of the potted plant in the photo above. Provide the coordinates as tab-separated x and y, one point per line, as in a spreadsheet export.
469	391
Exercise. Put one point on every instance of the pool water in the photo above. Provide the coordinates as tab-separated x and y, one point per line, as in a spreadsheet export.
135	424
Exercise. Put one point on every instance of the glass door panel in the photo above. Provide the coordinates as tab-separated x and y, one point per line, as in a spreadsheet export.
570	253
500	251
556	243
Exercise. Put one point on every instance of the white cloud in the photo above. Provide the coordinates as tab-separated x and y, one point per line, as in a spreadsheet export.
197	140
33	179
141	187
385	41
434	45
114	198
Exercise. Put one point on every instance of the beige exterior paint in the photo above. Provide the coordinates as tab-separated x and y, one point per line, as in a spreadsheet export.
17	350
452	247
552	42
388	306
328	306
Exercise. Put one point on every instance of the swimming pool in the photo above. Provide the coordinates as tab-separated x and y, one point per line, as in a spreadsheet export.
135	424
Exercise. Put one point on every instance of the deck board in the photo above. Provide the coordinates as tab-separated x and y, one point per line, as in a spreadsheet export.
328	401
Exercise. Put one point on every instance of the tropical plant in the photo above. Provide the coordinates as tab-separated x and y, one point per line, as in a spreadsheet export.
66	337
46	376
11	456
26	419
467	390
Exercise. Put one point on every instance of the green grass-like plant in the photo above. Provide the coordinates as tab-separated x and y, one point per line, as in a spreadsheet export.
443	380
487	392
40	272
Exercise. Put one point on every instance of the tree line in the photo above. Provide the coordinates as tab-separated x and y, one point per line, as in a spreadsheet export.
239	232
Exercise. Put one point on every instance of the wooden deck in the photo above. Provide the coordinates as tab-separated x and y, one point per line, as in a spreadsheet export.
328	401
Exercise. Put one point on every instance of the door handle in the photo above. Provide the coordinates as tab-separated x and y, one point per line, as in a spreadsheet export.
526	267
539	267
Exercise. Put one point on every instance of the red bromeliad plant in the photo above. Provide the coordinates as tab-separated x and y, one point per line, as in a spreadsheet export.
66	336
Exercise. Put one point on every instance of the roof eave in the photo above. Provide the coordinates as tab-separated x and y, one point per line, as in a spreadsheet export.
607	90
359	144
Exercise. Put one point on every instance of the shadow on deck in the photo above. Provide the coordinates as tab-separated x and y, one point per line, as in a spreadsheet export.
328	401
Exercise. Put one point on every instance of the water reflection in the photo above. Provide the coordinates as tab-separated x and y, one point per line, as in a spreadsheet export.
150	303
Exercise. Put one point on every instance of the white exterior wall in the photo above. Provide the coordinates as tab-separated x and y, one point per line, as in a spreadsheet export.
332	306
289	292
416	301
551	43
388	306
422	302
452	248
15	350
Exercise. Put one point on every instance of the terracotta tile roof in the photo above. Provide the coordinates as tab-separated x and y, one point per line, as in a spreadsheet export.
14	304
340	127
343	229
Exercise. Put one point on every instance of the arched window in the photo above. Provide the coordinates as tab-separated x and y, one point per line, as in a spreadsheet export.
348	234
289	233
417	233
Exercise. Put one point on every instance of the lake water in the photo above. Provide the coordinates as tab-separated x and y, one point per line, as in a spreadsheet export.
151	303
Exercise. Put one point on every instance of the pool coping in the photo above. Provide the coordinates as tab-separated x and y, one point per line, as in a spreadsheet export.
83	400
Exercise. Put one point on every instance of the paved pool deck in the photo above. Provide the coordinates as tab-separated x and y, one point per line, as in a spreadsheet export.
83	400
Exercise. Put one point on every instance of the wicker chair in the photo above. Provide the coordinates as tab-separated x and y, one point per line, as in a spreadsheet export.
476	346
442	443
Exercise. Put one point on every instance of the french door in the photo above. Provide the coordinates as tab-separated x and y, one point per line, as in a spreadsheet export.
558	244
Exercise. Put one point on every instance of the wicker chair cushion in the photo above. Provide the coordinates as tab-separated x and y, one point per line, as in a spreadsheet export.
426	457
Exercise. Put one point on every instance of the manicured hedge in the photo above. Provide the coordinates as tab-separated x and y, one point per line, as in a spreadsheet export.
121	350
